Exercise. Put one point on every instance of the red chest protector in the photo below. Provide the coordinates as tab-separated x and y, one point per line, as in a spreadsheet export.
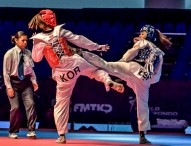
65	46
50	55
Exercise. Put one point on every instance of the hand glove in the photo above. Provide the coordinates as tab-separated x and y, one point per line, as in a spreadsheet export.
136	39
103	48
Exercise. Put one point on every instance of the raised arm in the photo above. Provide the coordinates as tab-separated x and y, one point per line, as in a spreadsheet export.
133	52
82	41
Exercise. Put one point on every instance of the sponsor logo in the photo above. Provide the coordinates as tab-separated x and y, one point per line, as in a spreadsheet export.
80	107
156	111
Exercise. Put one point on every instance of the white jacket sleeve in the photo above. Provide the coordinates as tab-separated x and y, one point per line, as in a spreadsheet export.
133	52
37	51
79	40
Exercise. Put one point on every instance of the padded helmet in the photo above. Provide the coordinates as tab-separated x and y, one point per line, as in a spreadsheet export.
48	17
151	33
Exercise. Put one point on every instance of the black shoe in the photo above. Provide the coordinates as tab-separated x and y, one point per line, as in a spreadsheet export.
143	140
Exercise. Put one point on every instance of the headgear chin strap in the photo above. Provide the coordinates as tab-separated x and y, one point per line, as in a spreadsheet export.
48	17
151	33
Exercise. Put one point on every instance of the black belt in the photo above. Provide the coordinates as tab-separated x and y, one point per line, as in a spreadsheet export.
16	77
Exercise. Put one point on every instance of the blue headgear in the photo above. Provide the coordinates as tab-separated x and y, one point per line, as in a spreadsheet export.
151	33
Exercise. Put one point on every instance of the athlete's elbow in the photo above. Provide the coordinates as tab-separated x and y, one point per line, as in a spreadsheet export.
35	59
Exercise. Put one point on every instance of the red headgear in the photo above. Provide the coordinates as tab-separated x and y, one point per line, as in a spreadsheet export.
48	17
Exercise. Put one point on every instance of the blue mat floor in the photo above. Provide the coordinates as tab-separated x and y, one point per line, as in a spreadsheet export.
161	139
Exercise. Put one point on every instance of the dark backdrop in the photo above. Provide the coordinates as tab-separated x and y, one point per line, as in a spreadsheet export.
170	98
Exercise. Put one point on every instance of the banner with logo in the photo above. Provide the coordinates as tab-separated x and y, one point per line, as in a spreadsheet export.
90	103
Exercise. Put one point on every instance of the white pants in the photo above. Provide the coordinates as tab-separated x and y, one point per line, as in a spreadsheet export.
66	75
125	71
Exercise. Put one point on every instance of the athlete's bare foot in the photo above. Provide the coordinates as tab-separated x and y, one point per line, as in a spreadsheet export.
116	86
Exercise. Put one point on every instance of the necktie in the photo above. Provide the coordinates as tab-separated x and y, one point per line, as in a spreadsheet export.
20	67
